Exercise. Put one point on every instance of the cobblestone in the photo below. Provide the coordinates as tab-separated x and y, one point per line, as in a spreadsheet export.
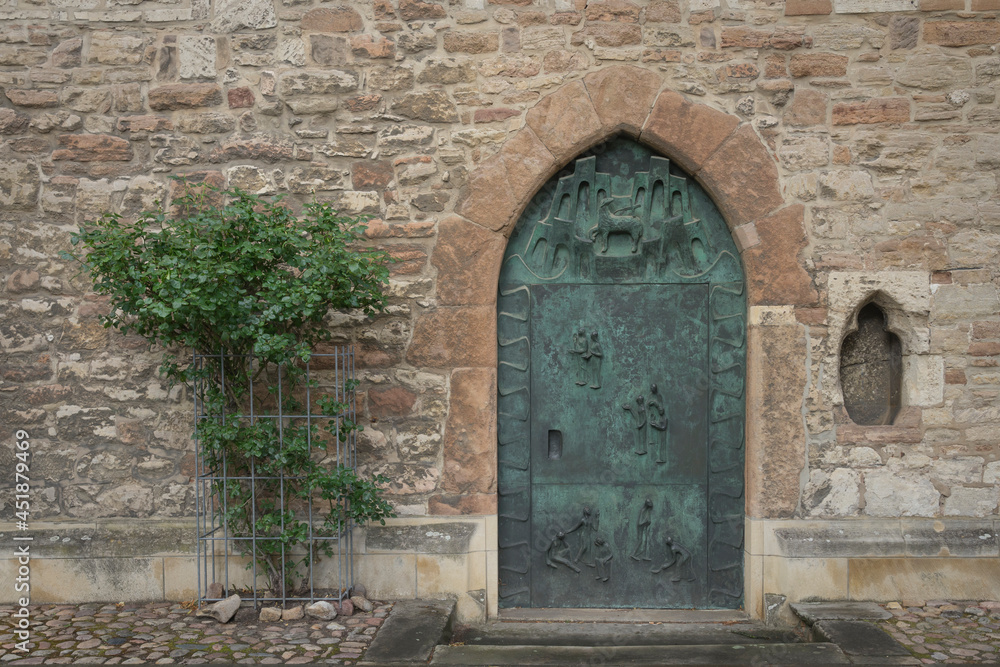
167	633
946	631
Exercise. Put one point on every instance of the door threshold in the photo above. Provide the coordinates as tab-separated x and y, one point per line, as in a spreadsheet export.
571	615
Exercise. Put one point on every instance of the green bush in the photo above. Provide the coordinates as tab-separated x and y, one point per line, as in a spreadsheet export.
243	277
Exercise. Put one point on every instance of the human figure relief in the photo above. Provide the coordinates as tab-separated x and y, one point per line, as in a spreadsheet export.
658	423
587	525
579	351
558	552
595	357
641	551
602	559
638	412
679	556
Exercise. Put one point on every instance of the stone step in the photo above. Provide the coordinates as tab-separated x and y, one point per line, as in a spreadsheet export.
507	633
703	654
411	632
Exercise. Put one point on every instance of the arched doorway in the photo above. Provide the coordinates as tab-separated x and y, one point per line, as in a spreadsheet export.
621	319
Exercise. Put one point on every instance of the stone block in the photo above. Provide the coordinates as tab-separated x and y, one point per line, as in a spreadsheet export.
956	538
808	7
467	258
93	147
923	380
805	578
332	19
808	107
689	133
961	33
432	106
900	493
963	302
454	337
623	96
412	10
470	433
20	184
879	110
749	192
487	199
830	538
775	439
566	121
467	504
818	64
196	56
387	576
233	15
833	494
970	501
889	579
775	275
935	71
423	538
184	96
847	185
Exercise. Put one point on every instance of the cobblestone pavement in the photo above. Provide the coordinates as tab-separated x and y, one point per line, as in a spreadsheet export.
942	631
166	633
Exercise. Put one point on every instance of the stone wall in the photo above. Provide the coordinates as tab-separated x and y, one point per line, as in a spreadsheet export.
853	147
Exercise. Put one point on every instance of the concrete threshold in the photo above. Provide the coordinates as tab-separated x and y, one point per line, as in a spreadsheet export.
624	615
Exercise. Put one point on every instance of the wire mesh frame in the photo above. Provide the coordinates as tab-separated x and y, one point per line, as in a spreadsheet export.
212	528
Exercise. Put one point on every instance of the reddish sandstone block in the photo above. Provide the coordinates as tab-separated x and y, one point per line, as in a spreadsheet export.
184	96
33	99
808	7
566	121
985	5
984	349
467	258
743	177
818	64
368	47
775	275
411	10
390	402
962	33
465	505
687	132
486	198
808	107
93	148
371	175
454	337
240	98
470	433
878	110
623	96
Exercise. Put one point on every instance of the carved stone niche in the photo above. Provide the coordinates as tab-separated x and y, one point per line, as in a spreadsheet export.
871	369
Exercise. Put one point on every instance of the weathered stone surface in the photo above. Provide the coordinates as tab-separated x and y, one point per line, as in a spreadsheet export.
270	614
463	41
961	33
366	46
467	258
688	132
470	434
623	96
808	107
833	494
775	432
447	70
410	10
565	121
93	147
432	106
222	610
68	53
889	493
371	175
322	610
210	122
847	185
184	96
196	56
316	82
933	71
12	122
240	98
332	19
233	15
775	274
34	99
818	64
390	402
607	34
20	184
386	78
292	613
804	152
454	337
750	192
879	110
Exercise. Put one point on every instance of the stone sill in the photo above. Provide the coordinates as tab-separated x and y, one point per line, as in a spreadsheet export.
907	429
875	538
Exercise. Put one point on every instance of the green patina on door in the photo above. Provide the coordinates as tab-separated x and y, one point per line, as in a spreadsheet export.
621	328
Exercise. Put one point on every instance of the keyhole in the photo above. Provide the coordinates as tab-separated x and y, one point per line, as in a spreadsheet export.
555	445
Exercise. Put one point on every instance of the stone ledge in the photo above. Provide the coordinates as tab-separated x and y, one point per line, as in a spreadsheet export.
103	539
877	538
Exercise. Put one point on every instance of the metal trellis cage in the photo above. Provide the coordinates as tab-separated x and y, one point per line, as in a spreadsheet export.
233	541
